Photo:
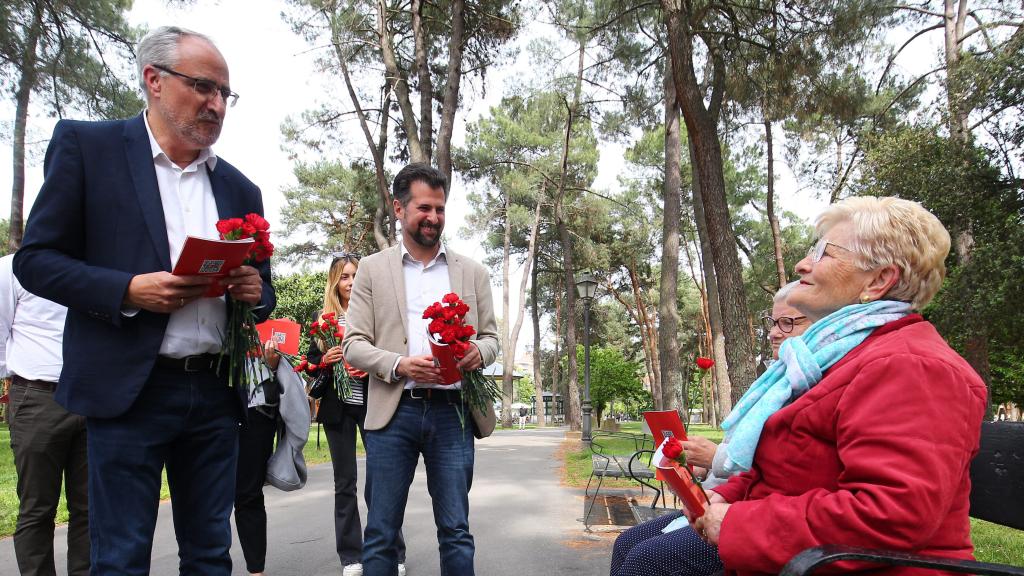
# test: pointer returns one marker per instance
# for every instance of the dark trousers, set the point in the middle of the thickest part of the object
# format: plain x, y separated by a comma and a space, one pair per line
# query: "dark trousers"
348, 530
187, 422
431, 428
255, 445
644, 550
49, 445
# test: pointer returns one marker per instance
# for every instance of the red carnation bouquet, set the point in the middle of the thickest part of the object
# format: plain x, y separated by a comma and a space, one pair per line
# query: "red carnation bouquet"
449, 334
330, 333
241, 339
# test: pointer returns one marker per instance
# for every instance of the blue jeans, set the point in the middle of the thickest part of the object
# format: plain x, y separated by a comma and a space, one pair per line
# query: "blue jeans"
431, 428
188, 422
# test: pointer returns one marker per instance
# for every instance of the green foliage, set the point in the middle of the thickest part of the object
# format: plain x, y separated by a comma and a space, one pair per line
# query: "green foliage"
77, 43
962, 187
333, 205
612, 377
525, 389
5, 232
300, 297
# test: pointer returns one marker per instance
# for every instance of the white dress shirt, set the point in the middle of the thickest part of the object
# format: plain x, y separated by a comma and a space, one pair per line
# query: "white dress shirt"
31, 330
189, 210
424, 285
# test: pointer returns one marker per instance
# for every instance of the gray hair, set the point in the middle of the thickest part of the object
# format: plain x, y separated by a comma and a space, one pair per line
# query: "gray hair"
780, 296
160, 48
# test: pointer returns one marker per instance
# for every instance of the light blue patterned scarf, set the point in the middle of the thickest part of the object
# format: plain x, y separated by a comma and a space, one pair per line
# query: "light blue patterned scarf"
802, 360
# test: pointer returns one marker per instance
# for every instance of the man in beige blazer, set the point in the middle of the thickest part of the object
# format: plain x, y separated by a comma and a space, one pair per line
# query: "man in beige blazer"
409, 412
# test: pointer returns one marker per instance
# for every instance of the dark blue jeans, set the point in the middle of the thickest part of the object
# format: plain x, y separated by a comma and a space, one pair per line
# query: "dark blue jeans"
430, 428
188, 422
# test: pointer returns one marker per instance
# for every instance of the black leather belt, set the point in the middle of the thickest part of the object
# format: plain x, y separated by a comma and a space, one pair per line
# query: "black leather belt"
433, 395
198, 363
37, 384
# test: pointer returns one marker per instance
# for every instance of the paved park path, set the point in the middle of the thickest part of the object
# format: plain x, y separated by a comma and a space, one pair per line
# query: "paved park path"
523, 520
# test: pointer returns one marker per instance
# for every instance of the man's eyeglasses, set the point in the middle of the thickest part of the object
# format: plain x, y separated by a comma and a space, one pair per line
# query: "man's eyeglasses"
785, 323
203, 87
335, 256
817, 250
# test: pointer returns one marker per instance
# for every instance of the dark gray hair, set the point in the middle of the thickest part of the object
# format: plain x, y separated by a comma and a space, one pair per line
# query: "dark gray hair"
160, 48
417, 172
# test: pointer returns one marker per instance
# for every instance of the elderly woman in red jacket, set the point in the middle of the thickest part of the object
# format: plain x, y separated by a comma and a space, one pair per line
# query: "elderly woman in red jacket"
875, 449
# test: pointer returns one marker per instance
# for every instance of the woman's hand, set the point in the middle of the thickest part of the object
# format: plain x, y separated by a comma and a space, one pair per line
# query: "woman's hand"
700, 451
709, 526
333, 355
716, 498
270, 354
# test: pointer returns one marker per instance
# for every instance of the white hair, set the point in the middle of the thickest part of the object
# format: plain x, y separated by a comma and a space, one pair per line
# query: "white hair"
160, 48
780, 296
898, 232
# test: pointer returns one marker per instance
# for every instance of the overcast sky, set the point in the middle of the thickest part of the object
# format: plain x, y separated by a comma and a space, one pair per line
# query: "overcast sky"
272, 69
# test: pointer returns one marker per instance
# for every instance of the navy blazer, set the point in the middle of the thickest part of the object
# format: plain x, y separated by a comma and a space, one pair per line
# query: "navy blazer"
96, 223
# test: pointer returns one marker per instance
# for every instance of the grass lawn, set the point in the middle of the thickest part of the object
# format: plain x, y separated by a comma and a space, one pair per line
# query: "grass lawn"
992, 543
9, 479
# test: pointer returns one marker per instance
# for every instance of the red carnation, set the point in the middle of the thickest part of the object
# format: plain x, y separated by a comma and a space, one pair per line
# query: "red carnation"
672, 449
705, 363
450, 298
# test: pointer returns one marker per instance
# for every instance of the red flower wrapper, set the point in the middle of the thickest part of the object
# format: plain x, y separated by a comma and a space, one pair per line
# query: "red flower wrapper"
241, 339
449, 337
670, 460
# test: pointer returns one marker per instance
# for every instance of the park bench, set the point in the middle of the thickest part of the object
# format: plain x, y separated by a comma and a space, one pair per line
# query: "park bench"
997, 495
606, 464
640, 470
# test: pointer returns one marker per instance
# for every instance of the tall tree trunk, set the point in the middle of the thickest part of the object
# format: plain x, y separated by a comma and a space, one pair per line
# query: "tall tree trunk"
649, 336
647, 344
507, 346
721, 369
451, 91
780, 263
556, 362
538, 372
707, 150
426, 86
512, 340
23, 95
401, 83
377, 149
574, 414
976, 348
668, 308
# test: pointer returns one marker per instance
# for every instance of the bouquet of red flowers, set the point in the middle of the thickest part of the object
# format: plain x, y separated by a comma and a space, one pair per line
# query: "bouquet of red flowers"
330, 333
449, 335
241, 339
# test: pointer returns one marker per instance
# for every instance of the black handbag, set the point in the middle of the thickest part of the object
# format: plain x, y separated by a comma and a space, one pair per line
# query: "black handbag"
320, 386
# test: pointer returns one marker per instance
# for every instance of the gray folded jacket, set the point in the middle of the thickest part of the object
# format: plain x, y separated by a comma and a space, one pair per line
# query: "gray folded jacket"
286, 469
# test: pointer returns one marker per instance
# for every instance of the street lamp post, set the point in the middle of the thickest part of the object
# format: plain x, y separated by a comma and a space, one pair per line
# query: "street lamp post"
586, 287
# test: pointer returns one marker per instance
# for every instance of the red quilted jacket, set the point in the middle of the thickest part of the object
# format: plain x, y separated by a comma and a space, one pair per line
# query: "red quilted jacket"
877, 454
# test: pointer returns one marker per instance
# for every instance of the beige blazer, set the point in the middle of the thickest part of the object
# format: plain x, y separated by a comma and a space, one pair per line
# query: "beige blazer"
377, 331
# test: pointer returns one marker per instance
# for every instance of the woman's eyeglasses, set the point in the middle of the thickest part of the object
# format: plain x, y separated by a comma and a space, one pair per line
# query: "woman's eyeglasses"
817, 250
785, 323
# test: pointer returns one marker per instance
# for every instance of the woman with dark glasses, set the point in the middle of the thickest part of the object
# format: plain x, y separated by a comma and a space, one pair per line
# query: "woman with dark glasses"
341, 418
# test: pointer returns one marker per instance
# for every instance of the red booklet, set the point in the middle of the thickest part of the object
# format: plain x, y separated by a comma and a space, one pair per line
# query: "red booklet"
214, 258
664, 423
680, 480
285, 334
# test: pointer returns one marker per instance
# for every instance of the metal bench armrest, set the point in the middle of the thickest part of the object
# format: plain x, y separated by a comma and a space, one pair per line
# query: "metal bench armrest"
811, 559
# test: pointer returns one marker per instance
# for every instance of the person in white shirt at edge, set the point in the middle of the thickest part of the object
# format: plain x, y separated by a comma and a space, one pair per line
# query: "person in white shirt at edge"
409, 412
48, 442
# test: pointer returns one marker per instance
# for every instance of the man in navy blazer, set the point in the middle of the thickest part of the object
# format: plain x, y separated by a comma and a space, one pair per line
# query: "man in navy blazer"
141, 344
